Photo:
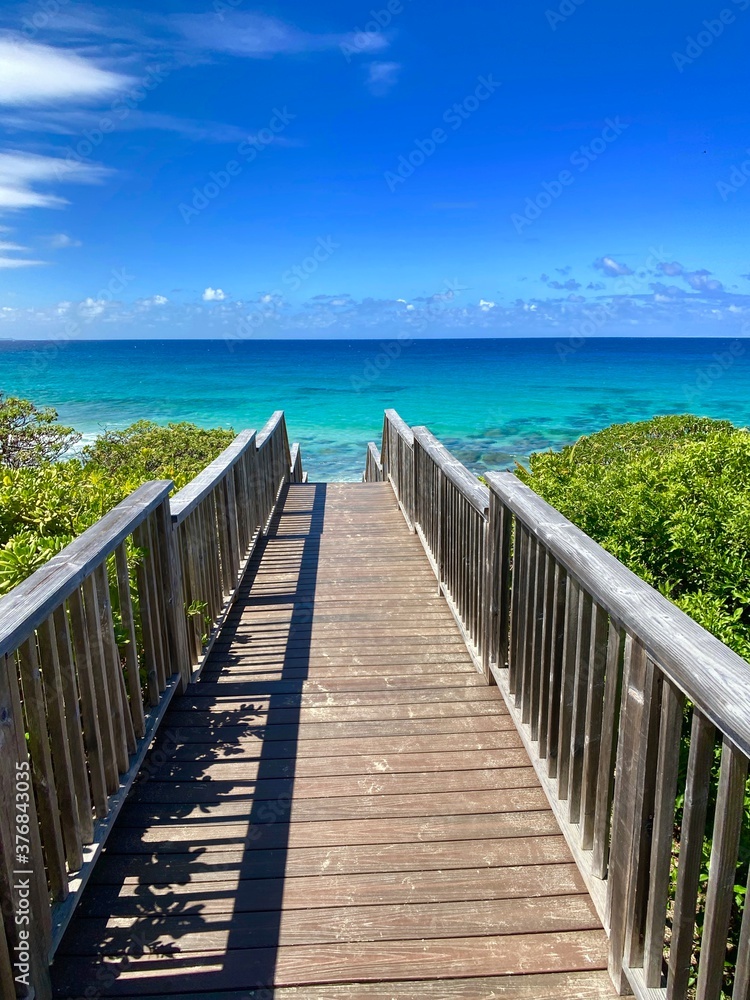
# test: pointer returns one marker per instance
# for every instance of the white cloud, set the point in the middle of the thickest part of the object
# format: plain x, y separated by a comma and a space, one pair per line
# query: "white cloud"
39, 74
6, 263
485, 306
61, 241
159, 300
213, 295
611, 267
4, 245
382, 76
76, 120
20, 172
91, 308
256, 36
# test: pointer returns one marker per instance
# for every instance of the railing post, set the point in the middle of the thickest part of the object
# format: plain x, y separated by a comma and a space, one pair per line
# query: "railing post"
174, 597
22, 894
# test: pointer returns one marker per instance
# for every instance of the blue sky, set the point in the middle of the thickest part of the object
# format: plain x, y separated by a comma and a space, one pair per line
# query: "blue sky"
220, 168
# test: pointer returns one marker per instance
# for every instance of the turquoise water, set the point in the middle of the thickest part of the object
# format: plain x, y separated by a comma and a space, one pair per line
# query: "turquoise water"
490, 401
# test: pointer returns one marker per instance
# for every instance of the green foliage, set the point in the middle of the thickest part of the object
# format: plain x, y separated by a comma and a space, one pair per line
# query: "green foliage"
30, 435
42, 507
146, 450
670, 498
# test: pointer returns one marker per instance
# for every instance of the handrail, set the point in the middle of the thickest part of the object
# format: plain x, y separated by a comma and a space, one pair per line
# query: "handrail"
400, 426
266, 432
477, 495
720, 689
373, 465
29, 604
601, 675
296, 474
188, 498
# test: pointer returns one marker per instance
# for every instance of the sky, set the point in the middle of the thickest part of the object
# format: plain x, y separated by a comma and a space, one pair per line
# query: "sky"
207, 168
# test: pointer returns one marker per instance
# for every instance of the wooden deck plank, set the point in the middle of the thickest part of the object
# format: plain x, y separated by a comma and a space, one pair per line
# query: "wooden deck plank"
338, 800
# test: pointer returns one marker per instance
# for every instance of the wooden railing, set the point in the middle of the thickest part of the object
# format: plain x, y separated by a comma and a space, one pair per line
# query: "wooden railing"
611, 686
93, 647
373, 466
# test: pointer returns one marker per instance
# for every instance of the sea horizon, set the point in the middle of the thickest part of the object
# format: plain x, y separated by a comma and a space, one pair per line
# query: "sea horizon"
493, 401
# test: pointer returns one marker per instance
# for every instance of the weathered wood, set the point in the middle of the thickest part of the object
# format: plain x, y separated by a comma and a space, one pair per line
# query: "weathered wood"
667, 770
692, 835
720, 688
65, 783
89, 712
30, 603
283, 784
730, 814
74, 724
607, 751
41, 767
187, 500
130, 646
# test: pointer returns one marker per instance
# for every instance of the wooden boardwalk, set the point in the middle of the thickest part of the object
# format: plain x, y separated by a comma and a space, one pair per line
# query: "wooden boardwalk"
340, 807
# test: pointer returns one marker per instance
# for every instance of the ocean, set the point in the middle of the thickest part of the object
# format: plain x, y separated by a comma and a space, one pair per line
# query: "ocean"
492, 402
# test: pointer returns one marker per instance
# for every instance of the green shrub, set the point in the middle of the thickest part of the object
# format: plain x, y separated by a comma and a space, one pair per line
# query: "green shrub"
670, 498
44, 506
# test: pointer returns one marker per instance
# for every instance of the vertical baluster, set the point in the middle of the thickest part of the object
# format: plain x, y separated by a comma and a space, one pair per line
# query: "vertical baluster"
537, 640
148, 621
529, 600
234, 552
122, 725
517, 609
548, 650
634, 796
607, 750
594, 713
130, 646
155, 585
58, 741
92, 731
692, 835
567, 686
578, 721
667, 768
74, 724
730, 813
173, 599
556, 668
41, 766
15, 753
99, 676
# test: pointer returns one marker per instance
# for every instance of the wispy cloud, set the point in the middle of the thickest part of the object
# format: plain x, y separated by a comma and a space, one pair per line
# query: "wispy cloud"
258, 36
612, 268
76, 121
21, 173
61, 241
32, 74
382, 77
